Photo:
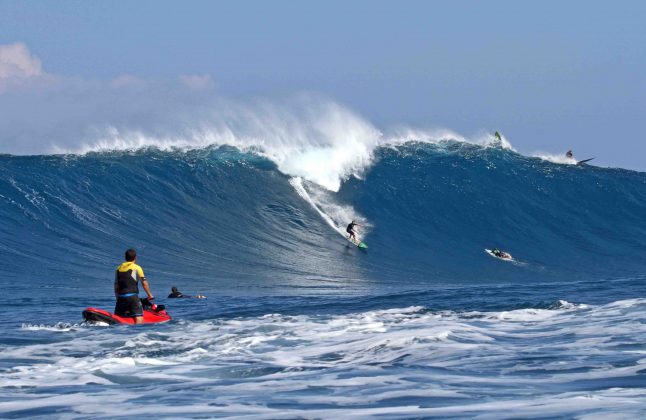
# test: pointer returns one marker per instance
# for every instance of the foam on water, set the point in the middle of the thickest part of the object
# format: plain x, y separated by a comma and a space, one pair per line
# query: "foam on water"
573, 360
403, 135
334, 214
560, 159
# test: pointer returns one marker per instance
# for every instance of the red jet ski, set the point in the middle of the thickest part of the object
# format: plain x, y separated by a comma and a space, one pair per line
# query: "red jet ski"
152, 314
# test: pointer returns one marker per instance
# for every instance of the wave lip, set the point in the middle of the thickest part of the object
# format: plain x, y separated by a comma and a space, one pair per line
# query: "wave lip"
306, 135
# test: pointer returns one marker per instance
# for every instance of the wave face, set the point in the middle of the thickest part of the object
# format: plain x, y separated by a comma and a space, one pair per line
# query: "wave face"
219, 214
298, 320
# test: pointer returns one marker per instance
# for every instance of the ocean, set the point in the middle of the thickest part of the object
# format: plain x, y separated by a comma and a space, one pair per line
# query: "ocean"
300, 323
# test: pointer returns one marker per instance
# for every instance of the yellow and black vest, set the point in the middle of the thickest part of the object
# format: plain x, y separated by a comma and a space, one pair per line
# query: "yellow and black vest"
127, 277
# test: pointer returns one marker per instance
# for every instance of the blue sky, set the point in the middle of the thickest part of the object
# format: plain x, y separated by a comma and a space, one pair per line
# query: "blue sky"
549, 75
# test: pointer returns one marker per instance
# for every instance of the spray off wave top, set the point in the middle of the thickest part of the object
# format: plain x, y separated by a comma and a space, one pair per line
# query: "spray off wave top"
307, 136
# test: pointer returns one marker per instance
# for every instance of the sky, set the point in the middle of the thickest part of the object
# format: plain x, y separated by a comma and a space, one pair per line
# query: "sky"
549, 75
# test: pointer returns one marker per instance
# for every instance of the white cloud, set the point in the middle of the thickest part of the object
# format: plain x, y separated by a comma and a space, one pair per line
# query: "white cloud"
197, 82
126, 80
17, 65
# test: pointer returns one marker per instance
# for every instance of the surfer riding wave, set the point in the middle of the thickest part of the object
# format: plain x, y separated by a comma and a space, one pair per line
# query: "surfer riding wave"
350, 230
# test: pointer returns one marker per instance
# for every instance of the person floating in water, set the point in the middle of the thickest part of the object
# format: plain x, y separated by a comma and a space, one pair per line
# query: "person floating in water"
126, 288
350, 230
569, 155
174, 293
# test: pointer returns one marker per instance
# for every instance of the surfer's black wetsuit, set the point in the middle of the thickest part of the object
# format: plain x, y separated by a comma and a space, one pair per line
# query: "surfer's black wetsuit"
350, 228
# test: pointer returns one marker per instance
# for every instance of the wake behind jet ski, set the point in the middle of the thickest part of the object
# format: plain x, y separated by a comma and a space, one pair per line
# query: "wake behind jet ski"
499, 254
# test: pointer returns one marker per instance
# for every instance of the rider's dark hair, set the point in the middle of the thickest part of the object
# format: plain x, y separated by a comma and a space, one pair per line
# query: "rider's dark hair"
131, 254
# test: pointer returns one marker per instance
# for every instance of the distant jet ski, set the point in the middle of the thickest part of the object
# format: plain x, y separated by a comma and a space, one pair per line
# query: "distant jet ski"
501, 255
152, 314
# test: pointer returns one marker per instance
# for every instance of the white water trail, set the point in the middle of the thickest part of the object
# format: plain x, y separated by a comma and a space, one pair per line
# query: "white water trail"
334, 214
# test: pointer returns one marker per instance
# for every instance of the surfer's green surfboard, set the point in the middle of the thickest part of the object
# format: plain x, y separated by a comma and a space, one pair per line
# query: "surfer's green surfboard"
359, 245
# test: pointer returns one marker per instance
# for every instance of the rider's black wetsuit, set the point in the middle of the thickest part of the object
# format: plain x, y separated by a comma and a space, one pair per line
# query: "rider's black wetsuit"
350, 228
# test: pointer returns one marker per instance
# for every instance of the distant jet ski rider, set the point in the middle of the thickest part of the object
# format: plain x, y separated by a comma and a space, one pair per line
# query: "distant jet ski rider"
500, 254
350, 230
569, 155
126, 288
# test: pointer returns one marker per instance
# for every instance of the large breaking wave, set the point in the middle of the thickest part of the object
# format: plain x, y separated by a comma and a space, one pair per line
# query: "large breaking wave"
217, 213
299, 322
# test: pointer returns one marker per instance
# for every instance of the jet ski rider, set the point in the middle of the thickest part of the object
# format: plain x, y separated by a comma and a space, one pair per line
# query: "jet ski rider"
126, 288
500, 254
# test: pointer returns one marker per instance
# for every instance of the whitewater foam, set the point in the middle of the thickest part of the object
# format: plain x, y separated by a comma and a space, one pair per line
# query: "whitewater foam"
558, 159
405, 361
307, 137
58, 327
324, 143
403, 135
334, 214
